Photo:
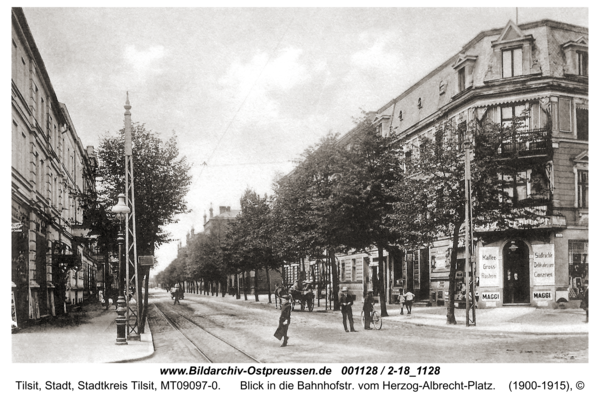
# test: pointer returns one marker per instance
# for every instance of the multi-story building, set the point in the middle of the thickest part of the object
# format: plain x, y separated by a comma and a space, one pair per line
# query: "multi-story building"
541, 67
50, 170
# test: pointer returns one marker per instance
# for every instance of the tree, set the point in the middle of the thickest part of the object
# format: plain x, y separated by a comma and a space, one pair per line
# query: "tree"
362, 195
430, 201
162, 180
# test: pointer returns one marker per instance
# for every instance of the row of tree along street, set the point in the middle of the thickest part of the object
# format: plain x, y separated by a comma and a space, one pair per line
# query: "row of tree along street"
369, 189
162, 180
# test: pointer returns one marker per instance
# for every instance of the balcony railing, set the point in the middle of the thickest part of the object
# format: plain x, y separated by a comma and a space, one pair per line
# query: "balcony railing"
527, 143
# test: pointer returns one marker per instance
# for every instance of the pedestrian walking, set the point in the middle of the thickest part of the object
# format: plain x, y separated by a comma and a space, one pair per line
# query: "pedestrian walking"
284, 320
368, 309
402, 301
346, 305
408, 301
176, 295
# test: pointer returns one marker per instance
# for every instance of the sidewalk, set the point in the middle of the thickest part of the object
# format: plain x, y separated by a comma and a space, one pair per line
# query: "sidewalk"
86, 337
501, 319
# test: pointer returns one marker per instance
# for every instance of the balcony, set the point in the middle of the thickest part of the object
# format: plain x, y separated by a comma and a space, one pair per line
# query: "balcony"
534, 142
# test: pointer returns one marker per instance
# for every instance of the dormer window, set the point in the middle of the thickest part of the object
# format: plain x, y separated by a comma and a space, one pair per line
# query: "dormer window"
512, 63
582, 63
400, 115
464, 67
419, 103
461, 80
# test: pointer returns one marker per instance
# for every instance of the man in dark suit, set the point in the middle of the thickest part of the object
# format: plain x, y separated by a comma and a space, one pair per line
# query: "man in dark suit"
368, 308
284, 320
346, 305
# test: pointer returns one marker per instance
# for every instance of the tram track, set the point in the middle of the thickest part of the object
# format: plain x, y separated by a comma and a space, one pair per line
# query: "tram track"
220, 350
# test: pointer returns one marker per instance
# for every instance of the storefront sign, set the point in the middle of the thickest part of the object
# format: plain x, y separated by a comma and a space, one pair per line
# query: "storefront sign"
543, 264
543, 295
490, 296
489, 271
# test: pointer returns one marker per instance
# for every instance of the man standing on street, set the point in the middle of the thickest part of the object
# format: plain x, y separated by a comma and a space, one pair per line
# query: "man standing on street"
346, 304
408, 301
176, 295
368, 308
284, 320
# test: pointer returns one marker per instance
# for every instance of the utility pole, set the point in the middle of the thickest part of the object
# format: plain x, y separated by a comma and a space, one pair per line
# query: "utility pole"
133, 314
470, 300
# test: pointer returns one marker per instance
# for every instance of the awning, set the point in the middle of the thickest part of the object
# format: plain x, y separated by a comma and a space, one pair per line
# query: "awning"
510, 100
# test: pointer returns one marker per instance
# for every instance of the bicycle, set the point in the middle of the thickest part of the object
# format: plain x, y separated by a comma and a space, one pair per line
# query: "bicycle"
376, 321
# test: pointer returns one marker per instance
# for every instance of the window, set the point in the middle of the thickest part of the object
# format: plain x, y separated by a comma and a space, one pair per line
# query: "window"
582, 189
512, 63
407, 160
530, 184
582, 124
578, 268
24, 155
582, 63
564, 114
343, 272
460, 135
461, 79
419, 103
514, 112
400, 116
353, 269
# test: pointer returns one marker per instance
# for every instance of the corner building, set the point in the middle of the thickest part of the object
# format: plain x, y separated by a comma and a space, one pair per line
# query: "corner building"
541, 67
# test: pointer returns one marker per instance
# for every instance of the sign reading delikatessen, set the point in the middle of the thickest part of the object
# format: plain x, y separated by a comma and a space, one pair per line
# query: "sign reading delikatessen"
543, 264
489, 271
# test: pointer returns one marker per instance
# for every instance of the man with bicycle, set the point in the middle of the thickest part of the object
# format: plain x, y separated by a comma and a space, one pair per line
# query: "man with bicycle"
368, 309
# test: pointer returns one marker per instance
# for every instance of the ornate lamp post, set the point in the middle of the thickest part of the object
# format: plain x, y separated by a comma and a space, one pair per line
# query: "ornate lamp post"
121, 210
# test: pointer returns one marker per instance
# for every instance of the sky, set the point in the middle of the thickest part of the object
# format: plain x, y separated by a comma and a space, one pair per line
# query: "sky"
246, 90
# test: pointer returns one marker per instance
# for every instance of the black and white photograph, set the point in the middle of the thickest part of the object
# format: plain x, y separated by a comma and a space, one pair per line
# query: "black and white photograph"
390, 194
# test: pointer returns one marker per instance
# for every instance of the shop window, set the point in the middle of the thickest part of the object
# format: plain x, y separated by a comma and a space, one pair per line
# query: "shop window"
582, 189
582, 124
353, 269
343, 272
512, 63
578, 268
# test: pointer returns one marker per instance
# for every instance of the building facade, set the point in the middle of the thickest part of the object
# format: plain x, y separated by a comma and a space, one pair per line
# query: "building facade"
541, 68
50, 169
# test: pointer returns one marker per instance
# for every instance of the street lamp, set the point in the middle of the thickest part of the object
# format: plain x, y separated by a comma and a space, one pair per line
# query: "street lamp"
121, 210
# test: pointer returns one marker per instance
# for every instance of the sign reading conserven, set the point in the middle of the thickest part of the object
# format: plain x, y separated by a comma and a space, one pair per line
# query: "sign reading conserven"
489, 272
543, 264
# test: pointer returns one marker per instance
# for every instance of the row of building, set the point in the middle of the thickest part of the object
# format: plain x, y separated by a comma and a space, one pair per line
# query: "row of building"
541, 67
54, 263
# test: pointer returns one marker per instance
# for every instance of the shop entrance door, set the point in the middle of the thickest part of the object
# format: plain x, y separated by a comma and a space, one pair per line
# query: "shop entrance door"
516, 272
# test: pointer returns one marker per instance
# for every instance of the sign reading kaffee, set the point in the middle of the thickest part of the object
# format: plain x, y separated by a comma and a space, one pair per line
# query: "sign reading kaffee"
489, 271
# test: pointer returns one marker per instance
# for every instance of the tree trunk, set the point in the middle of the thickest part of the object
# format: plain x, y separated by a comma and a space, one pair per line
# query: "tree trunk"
336, 281
237, 290
245, 279
382, 283
256, 284
268, 282
450, 318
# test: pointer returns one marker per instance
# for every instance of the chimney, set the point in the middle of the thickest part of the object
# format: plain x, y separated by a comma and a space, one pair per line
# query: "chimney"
222, 209
228, 208
210, 211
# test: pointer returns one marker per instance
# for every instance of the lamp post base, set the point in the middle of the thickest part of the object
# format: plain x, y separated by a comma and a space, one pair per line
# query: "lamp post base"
121, 322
